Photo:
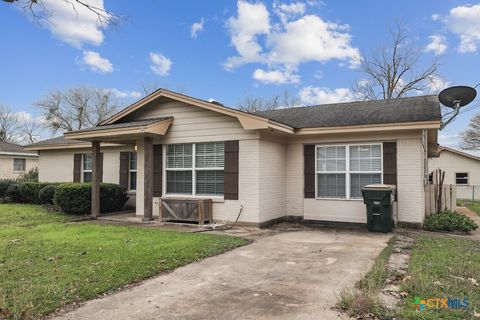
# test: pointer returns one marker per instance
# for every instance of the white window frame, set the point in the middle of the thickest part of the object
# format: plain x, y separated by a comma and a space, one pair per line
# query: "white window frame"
130, 170
347, 171
83, 169
24, 162
462, 184
193, 169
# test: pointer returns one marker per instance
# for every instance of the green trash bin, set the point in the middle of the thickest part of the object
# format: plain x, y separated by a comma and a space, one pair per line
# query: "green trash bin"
379, 200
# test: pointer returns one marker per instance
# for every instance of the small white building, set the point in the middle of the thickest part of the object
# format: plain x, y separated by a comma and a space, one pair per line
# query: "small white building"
461, 169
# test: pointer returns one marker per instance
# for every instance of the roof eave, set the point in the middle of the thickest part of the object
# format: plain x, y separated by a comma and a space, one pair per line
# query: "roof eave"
154, 129
421, 125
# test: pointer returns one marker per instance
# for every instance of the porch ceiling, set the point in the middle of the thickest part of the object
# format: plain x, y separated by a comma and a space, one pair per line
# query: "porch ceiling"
125, 131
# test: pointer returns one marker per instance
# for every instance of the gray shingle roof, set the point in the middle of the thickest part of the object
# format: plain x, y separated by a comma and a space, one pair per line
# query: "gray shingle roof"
55, 141
130, 124
13, 148
411, 109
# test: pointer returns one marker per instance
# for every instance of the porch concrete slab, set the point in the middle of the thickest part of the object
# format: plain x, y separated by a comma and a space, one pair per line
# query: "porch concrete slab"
287, 275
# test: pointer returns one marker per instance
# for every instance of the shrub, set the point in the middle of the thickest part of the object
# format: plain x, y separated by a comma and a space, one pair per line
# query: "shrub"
46, 194
29, 176
26, 192
75, 198
448, 220
4, 184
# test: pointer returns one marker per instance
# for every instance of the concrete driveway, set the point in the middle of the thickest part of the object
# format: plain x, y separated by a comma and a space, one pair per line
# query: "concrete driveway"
289, 275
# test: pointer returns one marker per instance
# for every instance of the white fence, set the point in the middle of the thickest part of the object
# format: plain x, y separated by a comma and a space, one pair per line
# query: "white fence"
448, 200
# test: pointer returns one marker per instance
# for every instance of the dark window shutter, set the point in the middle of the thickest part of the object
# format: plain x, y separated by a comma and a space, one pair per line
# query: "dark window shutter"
390, 163
231, 170
77, 167
101, 166
124, 165
157, 170
309, 170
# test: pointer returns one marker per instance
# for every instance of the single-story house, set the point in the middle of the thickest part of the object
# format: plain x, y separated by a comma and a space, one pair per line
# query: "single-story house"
14, 160
461, 169
305, 162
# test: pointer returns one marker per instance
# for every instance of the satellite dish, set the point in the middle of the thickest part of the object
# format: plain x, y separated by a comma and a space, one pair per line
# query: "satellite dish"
455, 98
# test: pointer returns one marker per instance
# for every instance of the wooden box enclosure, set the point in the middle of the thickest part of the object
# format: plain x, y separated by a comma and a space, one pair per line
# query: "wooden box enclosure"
186, 210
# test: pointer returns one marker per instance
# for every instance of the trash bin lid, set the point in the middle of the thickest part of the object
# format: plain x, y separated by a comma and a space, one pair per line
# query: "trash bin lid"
380, 187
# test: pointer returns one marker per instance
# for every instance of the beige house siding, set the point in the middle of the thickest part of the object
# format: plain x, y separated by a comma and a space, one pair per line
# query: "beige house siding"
6, 166
411, 191
452, 163
272, 180
410, 179
194, 124
57, 165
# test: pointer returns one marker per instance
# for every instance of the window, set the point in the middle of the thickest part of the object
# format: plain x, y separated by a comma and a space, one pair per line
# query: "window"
461, 178
87, 167
132, 171
343, 170
19, 164
195, 169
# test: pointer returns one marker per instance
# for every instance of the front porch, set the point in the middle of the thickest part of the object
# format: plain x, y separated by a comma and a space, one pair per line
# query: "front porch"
140, 134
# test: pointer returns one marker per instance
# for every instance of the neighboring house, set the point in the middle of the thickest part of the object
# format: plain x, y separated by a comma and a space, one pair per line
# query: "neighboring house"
305, 162
461, 169
14, 160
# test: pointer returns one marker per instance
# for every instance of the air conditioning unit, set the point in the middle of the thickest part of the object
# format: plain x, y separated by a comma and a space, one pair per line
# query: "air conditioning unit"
186, 210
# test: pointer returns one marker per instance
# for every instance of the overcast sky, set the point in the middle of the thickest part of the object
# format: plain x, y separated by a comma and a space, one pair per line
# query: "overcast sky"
227, 50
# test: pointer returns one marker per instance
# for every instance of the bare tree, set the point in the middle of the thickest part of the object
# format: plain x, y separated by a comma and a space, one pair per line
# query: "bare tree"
31, 130
10, 127
393, 70
471, 136
77, 108
104, 17
277, 101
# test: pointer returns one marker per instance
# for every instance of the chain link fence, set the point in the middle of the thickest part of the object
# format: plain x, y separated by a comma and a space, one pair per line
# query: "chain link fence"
469, 196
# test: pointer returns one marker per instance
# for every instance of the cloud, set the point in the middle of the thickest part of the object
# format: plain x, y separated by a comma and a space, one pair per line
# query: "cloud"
124, 94
275, 76
317, 95
252, 21
464, 21
437, 44
288, 41
96, 62
437, 84
435, 16
161, 65
288, 11
196, 28
75, 26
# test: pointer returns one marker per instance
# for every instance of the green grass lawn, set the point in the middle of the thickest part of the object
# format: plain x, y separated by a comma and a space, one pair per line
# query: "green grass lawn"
472, 205
443, 266
46, 264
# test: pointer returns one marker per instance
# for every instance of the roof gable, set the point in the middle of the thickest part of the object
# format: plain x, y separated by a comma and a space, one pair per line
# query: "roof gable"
249, 121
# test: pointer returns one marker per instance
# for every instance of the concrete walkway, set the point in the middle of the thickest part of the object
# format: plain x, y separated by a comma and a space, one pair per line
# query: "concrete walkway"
289, 275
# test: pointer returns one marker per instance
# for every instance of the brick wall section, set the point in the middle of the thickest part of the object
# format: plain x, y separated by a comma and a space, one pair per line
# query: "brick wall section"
272, 180
411, 203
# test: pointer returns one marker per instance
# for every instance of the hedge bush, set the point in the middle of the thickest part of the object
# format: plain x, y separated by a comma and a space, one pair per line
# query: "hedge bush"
448, 220
75, 198
4, 184
46, 194
26, 192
